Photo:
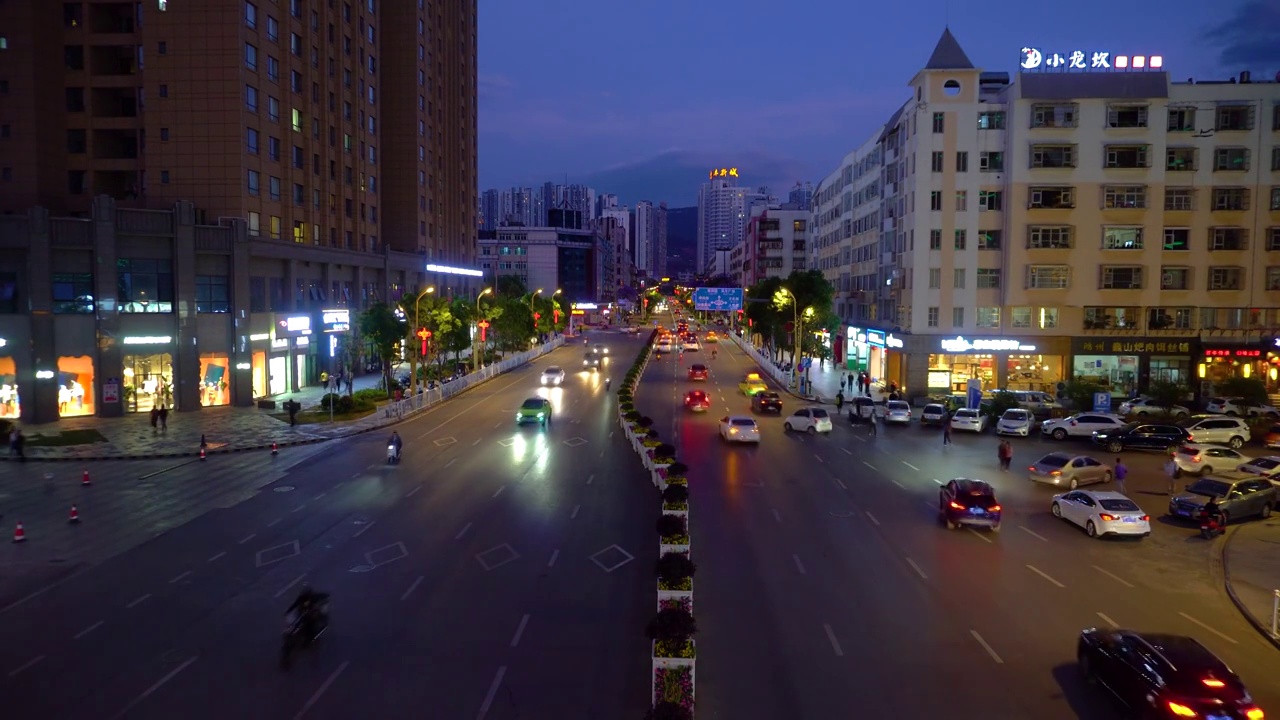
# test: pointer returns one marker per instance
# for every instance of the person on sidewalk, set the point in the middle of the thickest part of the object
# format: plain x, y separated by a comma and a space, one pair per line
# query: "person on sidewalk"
1121, 472
164, 418
839, 401
155, 418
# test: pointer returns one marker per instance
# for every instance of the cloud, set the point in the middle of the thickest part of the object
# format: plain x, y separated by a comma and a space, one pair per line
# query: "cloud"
675, 175
1249, 39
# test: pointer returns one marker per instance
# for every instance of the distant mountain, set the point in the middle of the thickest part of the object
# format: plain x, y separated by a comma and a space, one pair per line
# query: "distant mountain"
682, 240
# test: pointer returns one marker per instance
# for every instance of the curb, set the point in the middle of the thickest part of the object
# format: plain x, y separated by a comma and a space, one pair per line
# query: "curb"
1231, 593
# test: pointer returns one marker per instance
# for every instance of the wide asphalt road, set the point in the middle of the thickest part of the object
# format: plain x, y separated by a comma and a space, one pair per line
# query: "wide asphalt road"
827, 587
497, 572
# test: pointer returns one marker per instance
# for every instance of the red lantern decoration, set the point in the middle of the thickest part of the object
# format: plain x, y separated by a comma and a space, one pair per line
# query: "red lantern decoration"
536, 317
483, 325
555, 315
425, 334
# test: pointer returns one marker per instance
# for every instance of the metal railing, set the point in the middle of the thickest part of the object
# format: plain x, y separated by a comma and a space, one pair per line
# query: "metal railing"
1275, 614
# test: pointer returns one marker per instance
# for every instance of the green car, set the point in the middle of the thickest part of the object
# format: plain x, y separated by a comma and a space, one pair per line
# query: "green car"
534, 410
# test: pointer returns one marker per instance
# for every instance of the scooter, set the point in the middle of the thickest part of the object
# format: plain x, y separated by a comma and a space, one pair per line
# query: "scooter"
607, 383
1211, 525
393, 455
295, 635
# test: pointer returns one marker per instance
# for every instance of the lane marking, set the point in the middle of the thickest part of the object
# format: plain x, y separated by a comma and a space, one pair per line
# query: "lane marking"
151, 690
818, 458
497, 425
215, 557
450, 463
1032, 533
321, 690
1044, 575
873, 467
414, 490
320, 496
1228, 638
611, 432
847, 451
799, 565
937, 481
872, 518
835, 644
913, 467
412, 587
916, 567
138, 601
859, 438
841, 483
1113, 576
26, 666
777, 515
89, 629
975, 533
555, 554
299, 508
462, 532
986, 647
574, 514
515, 639
364, 529
904, 487
477, 442
275, 522
493, 692
289, 587
180, 578
1108, 620
591, 479
247, 538
498, 492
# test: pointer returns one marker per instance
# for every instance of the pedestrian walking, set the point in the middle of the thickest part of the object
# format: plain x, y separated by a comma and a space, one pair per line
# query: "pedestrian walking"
1121, 472
1171, 470
1005, 452
155, 418
164, 418
946, 431
839, 401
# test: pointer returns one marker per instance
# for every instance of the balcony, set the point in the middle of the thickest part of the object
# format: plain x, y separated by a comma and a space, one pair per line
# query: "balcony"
1114, 320
112, 18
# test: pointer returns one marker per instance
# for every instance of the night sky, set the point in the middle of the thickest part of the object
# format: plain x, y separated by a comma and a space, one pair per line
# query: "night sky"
641, 103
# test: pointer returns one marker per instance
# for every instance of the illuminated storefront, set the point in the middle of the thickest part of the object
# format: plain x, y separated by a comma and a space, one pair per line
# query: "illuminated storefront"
10, 399
1125, 367
1001, 363
75, 386
147, 380
875, 352
1260, 361
289, 364
259, 342
215, 379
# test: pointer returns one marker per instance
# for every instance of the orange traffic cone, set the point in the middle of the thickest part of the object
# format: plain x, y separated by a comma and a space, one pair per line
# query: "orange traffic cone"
75, 516
275, 449
84, 480
201, 453
19, 535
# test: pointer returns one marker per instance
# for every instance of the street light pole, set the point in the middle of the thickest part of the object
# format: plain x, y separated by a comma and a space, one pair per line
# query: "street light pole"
533, 312
475, 353
555, 311
417, 309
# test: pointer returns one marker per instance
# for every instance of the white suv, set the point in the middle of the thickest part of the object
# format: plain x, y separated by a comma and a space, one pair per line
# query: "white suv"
1240, 406
1218, 429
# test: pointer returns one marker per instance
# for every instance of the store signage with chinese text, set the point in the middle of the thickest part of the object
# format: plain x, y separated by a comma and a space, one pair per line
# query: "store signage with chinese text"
293, 326
961, 345
1232, 352
1124, 346
724, 172
336, 320
1032, 58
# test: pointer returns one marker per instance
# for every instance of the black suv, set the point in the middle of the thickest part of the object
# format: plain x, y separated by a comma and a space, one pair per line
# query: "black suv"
770, 401
1142, 436
964, 501
1163, 676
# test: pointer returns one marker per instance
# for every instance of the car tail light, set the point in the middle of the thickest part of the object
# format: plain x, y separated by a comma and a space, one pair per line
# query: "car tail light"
1180, 710
1190, 436
1254, 714
955, 505
1056, 472
1195, 458
1213, 683
1146, 518
1107, 517
994, 508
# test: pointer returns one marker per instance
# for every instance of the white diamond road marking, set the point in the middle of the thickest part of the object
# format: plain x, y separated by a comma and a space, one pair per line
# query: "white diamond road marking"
445, 441
496, 557
507, 443
575, 442
615, 552
285, 488
386, 554
276, 553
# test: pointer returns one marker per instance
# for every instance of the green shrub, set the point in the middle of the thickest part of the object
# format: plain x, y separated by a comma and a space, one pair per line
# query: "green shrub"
372, 395
671, 526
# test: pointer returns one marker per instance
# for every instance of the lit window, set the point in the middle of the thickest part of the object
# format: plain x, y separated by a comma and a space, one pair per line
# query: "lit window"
297, 120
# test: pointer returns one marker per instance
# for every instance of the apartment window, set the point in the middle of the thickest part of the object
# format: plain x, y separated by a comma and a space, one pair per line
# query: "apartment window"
988, 278
1228, 238
937, 160
989, 239
273, 69
1103, 318
1117, 197
144, 285
213, 294
1122, 238
75, 100
1020, 317
164, 90
253, 182
1275, 118
1048, 318
73, 293
988, 317
962, 200
1121, 277
935, 239
1226, 278
957, 279
1126, 116
1180, 160
957, 317
939, 122
273, 187
76, 181
1182, 119
935, 200
162, 48
299, 195
991, 120
1235, 117
1048, 277
1273, 239
1179, 198
1230, 199
251, 141
1053, 156
296, 120
1053, 116
295, 84
255, 224
935, 278
932, 317
1275, 198
1230, 159
1127, 156
1049, 237
164, 133
295, 9
251, 98
295, 44
273, 109
1049, 197
250, 57
299, 157
991, 161
273, 29
1275, 153
273, 148
990, 200
962, 162
961, 239
77, 142
1169, 318
1176, 238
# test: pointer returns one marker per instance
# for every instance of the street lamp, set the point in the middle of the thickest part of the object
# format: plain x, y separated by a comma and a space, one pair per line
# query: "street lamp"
532, 311
417, 329
780, 298
555, 311
475, 358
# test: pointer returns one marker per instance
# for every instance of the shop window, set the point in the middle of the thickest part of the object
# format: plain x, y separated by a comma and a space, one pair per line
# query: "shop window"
73, 293
215, 376
10, 402
1039, 373
1117, 374
75, 386
144, 285
212, 294
148, 382
8, 293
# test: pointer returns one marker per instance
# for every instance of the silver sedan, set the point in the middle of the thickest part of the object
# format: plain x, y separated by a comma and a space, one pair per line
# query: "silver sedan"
1070, 471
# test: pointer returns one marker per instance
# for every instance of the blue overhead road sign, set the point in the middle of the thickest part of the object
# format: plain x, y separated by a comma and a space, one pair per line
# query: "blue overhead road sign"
718, 298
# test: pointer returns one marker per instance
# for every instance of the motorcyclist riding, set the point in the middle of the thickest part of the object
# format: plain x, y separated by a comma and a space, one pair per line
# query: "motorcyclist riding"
308, 607
396, 443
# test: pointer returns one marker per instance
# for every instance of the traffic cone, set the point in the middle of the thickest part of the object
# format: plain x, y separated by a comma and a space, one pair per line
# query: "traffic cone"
201, 453
19, 535
275, 449
74, 517
84, 480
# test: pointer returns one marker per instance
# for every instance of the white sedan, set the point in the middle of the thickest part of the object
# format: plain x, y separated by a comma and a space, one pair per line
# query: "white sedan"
1081, 425
1147, 406
691, 346
1016, 421
968, 419
553, 375
810, 420
1266, 466
1101, 513
739, 428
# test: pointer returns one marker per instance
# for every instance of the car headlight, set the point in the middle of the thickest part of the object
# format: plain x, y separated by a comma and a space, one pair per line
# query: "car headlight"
541, 415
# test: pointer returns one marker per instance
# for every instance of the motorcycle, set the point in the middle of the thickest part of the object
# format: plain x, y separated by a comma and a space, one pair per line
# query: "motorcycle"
393, 454
301, 630
607, 383
1211, 525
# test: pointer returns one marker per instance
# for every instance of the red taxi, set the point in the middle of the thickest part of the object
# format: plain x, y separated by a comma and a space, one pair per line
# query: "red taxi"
697, 372
697, 401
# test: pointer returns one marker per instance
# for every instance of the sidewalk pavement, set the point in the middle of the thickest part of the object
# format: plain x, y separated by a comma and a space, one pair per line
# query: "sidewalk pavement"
1251, 571
825, 380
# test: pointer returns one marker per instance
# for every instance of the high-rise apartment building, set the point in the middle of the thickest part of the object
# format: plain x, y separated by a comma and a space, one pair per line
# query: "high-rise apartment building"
722, 218
660, 244
1105, 224
490, 209
774, 245
800, 197
644, 231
